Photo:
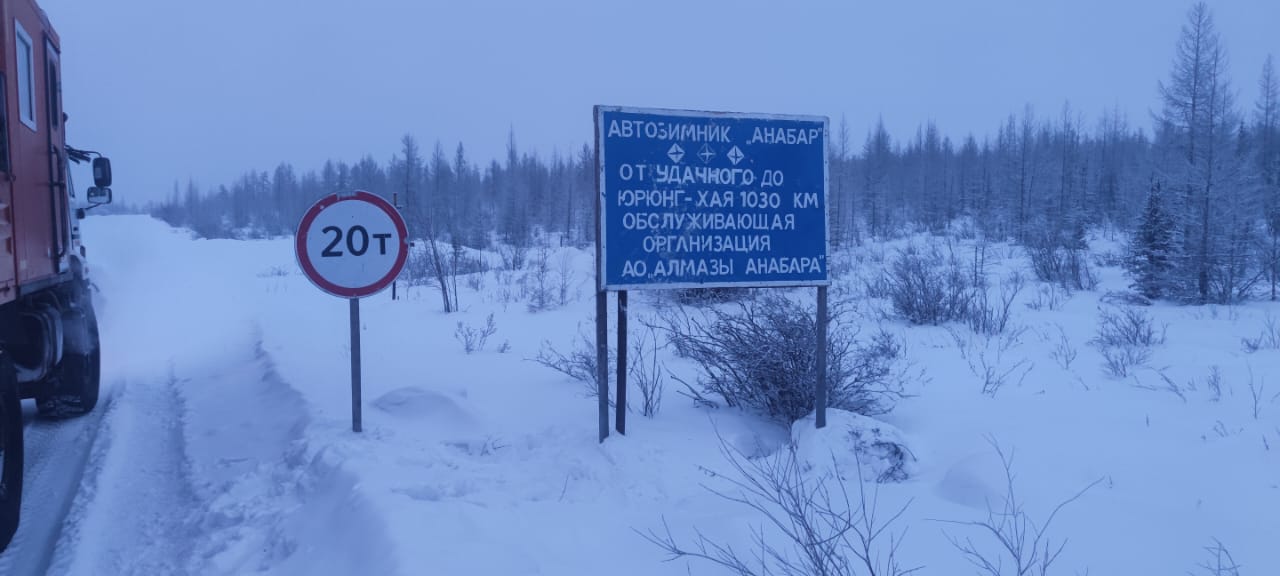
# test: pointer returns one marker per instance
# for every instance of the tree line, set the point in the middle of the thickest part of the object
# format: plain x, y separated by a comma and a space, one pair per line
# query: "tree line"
1200, 191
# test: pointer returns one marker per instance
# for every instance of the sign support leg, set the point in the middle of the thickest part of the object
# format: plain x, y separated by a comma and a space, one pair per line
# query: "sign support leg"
620, 411
355, 364
821, 393
602, 359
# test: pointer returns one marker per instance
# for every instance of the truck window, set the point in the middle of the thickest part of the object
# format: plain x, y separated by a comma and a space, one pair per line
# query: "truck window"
25, 54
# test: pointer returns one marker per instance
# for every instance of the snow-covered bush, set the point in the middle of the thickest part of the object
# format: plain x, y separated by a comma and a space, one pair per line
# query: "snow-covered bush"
1125, 337
927, 289
762, 354
1061, 261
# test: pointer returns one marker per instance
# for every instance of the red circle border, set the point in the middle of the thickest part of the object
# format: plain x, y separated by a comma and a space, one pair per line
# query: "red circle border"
309, 269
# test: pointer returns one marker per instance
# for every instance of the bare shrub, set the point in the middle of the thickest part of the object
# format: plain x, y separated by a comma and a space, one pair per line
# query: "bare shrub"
878, 287
1220, 562
761, 354
1063, 352
926, 289
646, 371
990, 318
1061, 262
707, 296
1022, 545
1128, 327
1125, 337
1120, 361
1172, 386
1214, 382
1050, 297
824, 531
579, 363
473, 338
1268, 339
1257, 392
446, 278
994, 372
508, 289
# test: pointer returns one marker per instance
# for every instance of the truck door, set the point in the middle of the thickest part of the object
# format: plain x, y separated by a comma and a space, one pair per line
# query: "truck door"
58, 194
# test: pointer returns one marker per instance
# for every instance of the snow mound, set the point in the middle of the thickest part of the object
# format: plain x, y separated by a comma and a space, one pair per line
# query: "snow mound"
437, 411
975, 481
851, 441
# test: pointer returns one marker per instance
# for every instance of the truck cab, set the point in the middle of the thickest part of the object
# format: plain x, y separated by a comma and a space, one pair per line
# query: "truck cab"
48, 331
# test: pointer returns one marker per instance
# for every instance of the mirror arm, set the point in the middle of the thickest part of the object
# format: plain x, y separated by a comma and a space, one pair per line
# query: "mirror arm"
76, 155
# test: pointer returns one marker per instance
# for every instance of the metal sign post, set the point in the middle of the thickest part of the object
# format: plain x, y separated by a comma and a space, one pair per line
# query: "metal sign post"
690, 199
352, 245
355, 365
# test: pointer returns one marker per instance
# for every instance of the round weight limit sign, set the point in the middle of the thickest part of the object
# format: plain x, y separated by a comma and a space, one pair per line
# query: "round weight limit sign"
352, 245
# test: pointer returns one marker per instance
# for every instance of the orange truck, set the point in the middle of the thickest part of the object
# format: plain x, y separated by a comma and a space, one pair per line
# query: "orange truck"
49, 348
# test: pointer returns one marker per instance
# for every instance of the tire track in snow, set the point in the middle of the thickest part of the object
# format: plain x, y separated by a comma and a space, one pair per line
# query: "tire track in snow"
133, 514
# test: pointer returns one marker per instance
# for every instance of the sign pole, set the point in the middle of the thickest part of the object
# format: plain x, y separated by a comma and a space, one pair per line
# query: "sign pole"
602, 307
355, 364
602, 360
821, 393
620, 411
352, 245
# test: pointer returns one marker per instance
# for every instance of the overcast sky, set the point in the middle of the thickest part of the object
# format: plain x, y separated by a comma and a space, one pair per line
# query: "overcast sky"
174, 89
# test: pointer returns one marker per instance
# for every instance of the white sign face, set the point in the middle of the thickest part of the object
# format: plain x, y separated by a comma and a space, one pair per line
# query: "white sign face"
352, 245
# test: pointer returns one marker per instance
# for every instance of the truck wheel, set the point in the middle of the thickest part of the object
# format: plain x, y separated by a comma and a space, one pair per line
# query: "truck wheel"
74, 387
10, 451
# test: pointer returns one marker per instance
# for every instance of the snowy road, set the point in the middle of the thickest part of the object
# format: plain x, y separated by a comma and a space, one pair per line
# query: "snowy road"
131, 515
56, 456
118, 475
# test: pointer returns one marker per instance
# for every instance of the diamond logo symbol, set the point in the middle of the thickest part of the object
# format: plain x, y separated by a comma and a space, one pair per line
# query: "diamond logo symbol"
675, 153
706, 154
735, 155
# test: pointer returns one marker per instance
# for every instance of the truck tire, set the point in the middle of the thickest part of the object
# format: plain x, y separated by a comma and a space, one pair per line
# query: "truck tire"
75, 385
11, 451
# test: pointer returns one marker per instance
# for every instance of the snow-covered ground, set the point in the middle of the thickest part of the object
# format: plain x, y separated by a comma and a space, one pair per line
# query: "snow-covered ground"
226, 444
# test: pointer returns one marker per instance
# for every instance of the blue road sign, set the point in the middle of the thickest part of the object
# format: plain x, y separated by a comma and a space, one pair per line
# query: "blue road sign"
705, 199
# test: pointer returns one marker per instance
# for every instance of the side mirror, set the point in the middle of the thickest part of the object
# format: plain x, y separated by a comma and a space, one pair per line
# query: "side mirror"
98, 196
102, 173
